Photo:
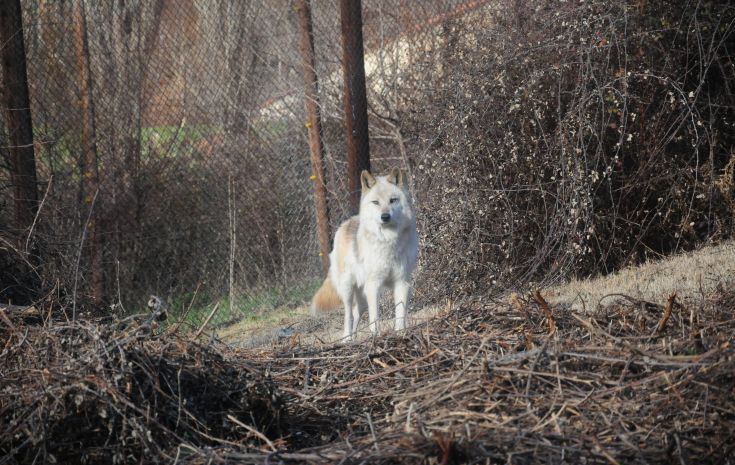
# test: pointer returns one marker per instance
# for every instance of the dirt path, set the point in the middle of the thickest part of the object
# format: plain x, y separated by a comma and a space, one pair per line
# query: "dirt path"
296, 326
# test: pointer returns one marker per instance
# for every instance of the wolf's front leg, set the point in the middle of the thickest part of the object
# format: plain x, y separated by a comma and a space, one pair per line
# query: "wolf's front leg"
371, 295
401, 290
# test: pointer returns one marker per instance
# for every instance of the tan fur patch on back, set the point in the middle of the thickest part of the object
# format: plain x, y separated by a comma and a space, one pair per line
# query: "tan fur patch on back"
345, 238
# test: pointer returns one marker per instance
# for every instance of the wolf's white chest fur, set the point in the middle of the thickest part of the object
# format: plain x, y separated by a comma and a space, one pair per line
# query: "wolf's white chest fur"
385, 255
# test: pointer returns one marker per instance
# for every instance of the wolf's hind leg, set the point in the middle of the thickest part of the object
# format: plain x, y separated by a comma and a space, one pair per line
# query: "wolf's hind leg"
347, 300
358, 309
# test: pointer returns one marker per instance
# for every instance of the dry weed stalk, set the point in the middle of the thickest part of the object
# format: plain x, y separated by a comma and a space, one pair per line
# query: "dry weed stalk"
547, 310
667, 313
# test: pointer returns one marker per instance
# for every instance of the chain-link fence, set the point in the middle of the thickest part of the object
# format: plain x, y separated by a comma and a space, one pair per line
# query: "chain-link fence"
171, 145
544, 139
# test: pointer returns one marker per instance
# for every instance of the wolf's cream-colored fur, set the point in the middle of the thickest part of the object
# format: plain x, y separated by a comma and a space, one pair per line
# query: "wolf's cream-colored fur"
374, 250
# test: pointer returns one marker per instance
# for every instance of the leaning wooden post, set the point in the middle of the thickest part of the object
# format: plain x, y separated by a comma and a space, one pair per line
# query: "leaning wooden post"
314, 125
90, 182
17, 111
355, 97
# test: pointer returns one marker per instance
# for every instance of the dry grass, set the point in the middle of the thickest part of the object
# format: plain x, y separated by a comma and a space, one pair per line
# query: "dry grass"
691, 274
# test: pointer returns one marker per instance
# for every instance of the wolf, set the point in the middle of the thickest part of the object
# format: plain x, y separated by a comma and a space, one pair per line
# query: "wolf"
373, 250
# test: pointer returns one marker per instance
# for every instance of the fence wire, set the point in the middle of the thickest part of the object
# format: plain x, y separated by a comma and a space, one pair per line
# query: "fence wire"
175, 132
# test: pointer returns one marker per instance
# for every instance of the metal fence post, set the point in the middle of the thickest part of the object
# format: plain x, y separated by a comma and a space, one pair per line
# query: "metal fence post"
314, 125
355, 97
17, 109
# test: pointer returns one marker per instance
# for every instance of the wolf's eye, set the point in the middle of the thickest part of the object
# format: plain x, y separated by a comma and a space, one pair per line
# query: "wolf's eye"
393, 200
375, 202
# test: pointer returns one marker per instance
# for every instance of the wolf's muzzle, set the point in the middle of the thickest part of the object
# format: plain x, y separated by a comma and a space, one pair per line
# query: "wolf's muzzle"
385, 217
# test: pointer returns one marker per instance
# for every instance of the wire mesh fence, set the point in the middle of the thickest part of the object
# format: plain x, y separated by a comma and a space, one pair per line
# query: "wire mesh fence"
543, 139
171, 144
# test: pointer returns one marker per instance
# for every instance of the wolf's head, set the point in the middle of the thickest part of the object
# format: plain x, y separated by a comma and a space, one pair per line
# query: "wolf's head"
386, 203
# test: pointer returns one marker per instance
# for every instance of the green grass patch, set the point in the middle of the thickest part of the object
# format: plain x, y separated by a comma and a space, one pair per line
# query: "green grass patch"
257, 306
63, 148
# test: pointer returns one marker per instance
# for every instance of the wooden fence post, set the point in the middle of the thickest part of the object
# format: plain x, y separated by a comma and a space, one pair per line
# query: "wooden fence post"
90, 182
314, 125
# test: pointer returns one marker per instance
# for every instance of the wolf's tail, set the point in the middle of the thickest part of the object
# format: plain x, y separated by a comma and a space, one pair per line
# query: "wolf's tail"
325, 299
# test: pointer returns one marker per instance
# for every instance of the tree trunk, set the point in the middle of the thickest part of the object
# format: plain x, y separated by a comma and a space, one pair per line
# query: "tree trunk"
355, 97
16, 103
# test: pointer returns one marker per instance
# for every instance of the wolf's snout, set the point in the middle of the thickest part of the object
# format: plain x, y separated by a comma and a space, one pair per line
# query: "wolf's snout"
385, 217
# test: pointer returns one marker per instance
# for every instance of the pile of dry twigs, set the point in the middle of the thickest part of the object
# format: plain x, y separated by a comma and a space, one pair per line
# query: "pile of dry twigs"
101, 392
516, 382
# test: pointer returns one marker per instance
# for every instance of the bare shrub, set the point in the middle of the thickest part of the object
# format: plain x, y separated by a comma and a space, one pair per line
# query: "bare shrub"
570, 139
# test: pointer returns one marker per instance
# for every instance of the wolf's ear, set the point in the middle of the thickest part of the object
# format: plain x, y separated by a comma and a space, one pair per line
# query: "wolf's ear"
367, 180
396, 177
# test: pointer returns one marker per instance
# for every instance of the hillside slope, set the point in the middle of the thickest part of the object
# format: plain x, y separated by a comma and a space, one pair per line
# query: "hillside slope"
691, 275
